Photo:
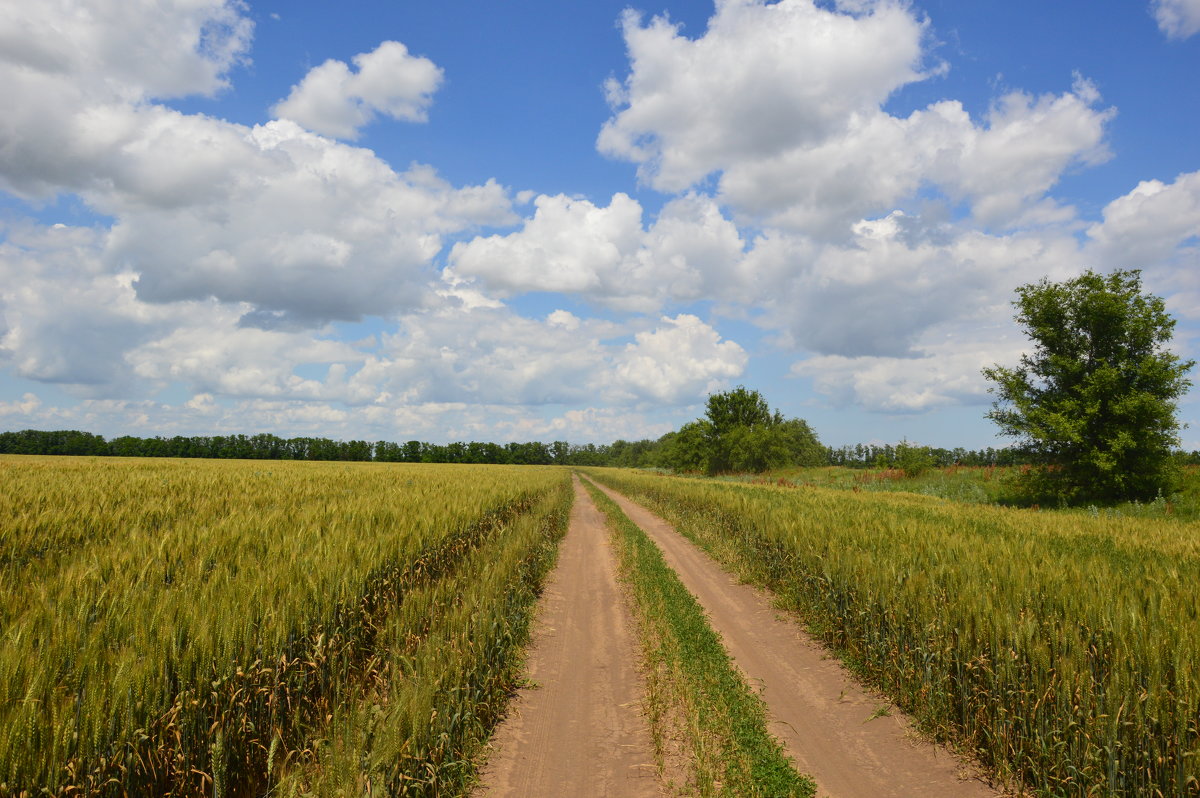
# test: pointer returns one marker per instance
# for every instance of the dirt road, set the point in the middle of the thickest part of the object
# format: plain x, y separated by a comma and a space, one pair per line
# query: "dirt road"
578, 730
833, 730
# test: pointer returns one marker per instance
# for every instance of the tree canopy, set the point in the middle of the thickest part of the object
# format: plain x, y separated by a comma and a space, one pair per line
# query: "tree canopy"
740, 433
1094, 402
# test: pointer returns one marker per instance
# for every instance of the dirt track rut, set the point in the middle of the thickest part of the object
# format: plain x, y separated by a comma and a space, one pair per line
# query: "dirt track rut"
578, 730
831, 727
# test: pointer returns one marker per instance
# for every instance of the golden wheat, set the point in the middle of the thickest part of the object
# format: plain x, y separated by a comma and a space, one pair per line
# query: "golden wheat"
183, 627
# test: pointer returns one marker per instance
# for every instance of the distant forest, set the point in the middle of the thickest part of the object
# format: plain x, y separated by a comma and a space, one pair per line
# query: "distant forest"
630, 454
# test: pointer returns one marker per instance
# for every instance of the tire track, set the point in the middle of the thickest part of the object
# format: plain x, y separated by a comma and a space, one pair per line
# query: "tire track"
834, 730
578, 730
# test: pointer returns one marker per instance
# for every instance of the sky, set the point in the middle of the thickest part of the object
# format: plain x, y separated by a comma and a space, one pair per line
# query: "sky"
471, 220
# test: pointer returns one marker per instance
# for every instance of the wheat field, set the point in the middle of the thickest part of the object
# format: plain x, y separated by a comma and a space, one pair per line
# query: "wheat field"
1062, 649
188, 627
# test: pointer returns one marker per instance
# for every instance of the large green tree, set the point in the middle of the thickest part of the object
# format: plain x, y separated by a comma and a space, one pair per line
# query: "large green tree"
1094, 402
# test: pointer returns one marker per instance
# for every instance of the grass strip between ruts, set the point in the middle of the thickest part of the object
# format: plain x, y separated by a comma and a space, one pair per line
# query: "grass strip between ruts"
696, 699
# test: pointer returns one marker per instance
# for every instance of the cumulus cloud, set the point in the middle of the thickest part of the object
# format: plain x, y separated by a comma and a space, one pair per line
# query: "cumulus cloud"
289, 221
129, 51
336, 102
877, 294
67, 68
69, 320
606, 253
24, 407
233, 246
1156, 228
762, 79
903, 318
941, 374
1025, 147
884, 247
822, 153
66, 319
1178, 19
211, 353
1150, 223
594, 424
435, 422
679, 361
494, 356
303, 228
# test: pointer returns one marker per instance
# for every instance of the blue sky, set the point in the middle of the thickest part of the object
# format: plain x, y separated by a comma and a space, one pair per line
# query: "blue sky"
540, 220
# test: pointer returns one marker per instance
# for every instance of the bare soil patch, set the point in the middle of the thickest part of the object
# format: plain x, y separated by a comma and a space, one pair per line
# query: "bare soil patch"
577, 729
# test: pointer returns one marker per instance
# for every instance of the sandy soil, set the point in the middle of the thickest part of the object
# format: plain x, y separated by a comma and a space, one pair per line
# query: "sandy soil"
829, 724
578, 729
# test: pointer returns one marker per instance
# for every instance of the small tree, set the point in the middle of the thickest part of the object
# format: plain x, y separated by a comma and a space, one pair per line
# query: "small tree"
1094, 403
913, 460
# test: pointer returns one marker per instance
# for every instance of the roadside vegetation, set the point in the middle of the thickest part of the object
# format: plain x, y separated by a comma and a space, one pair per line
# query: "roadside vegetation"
696, 699
205, 628
994, 485
1062, 649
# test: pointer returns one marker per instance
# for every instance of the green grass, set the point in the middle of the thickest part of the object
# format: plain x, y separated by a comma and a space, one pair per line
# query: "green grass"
695, 695
972, 485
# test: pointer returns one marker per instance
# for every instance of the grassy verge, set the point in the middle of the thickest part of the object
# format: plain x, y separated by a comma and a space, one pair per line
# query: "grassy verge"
987, 485
697, 700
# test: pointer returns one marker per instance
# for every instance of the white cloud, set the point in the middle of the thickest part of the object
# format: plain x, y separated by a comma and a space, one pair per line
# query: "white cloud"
210, 353
821, 153
1149, 224
336, 102
763, 79
588, 424
432, 421
69, 320
26, 406
1178, 19
1155, 228
679, 362
1027, 144
66, 67
303, 228
65, 318
129, 51
233, 246
493, 356
945, 370
604, 253
902, 319
898, 276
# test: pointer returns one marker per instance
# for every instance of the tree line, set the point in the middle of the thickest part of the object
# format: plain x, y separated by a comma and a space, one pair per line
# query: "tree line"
272, 447
871, 455
676, 450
